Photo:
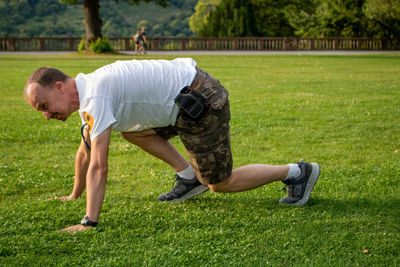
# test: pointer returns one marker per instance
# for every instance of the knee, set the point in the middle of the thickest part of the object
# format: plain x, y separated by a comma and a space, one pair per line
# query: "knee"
214, 187
131, 138
137, 137
222, 187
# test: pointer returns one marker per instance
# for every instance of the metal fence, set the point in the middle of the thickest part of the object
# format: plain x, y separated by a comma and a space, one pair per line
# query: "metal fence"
196, 43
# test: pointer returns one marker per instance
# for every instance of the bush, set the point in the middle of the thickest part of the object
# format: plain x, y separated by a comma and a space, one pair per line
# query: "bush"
81, 46
99, 46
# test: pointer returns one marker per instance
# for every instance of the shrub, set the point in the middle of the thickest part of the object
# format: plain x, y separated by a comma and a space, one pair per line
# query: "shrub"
81, 46
99, 46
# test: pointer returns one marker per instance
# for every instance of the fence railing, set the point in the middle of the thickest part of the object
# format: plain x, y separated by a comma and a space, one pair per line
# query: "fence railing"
197, 43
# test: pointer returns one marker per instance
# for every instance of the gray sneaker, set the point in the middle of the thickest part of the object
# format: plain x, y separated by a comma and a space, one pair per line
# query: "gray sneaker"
300, 187
183, 190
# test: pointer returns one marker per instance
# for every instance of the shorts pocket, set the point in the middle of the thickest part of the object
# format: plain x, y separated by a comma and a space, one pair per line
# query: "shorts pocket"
215, 165
214, 92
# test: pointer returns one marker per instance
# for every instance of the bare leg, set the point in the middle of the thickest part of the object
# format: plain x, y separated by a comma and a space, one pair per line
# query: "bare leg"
157, 146
242, 179
250, 177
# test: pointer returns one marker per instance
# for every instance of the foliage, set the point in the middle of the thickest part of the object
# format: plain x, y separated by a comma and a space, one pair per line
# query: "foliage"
305, 18
200, 16
270, 18
341, 111
25, 18
301, 15
243, 18
386, 14
101, 45
231, 18
119, 19
172, 21
343, 18
82, 46
93, 19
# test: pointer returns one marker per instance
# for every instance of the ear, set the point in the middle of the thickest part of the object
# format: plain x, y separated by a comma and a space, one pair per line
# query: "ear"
59, 86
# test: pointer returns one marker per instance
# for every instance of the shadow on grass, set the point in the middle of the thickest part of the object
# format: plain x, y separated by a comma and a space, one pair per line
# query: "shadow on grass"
343, 207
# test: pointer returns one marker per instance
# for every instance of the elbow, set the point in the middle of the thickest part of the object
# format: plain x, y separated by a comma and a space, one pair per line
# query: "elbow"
83, 154
99, 170
102, 170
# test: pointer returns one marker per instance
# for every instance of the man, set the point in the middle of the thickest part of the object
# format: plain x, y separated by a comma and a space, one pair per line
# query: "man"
138, 99
143, 40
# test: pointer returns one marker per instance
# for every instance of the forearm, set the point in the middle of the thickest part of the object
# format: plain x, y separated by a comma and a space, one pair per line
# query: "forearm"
97, 175
81, 167
95, 187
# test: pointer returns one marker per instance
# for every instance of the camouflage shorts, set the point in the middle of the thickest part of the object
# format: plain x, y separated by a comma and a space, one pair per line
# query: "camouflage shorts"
207, 141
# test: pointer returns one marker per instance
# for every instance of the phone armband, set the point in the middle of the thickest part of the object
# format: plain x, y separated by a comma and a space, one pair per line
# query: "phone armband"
192, 103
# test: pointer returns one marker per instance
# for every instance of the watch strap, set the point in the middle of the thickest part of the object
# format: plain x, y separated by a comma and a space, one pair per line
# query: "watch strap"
85, 221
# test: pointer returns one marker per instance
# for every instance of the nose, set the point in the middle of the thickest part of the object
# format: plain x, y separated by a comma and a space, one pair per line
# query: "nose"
47, 115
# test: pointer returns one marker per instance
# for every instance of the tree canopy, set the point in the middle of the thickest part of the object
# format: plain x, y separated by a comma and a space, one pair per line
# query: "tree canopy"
385, 14
232, 18
216, 18
305, 18
51, 18
93, 21
202, 11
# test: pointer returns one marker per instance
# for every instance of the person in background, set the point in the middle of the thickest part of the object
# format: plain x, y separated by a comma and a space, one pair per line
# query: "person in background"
143, 39
136, 40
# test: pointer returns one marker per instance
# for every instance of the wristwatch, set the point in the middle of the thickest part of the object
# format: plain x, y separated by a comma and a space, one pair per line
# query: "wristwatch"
85, 221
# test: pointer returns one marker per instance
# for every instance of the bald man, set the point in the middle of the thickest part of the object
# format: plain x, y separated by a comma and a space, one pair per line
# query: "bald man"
150, 101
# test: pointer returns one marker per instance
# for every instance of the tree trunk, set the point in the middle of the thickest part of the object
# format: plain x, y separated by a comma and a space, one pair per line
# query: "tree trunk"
92, 20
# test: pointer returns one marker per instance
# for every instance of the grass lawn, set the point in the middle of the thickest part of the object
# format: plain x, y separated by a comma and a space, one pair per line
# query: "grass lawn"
340, 111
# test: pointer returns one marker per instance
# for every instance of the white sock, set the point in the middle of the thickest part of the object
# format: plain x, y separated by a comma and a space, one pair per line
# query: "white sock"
294, 171
187, 173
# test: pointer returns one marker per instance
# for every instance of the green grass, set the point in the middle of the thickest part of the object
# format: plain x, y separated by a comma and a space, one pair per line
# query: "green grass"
341, 111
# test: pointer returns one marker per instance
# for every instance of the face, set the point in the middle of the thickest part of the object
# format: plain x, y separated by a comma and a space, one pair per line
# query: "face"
54, 103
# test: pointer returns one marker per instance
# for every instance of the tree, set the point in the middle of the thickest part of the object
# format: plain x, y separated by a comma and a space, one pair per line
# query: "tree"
231, 18
329, 18
385, 13
200, 16
342, 18
243, 18
271, 19
92, 15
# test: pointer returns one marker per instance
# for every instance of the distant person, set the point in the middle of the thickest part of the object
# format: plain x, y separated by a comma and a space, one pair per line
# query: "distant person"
143, 39
137, 98
136, 40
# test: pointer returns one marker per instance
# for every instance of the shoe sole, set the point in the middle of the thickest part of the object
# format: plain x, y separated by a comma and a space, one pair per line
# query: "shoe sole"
194, 192
310, 184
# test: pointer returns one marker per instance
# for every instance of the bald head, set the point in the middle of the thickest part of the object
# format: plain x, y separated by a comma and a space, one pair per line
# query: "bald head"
52, 92
45, 77
33, 92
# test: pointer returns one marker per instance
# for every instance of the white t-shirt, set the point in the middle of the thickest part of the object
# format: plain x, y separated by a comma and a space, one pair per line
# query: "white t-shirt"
133, 95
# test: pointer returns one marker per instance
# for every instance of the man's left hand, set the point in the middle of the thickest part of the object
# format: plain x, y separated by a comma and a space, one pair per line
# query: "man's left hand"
67, 198
76, 228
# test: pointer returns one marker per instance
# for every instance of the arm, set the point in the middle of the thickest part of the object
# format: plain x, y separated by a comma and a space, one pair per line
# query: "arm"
95, 179
97, 174
81, 166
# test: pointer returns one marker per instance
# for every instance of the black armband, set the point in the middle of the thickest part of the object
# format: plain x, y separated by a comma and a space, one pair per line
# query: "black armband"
192, 103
